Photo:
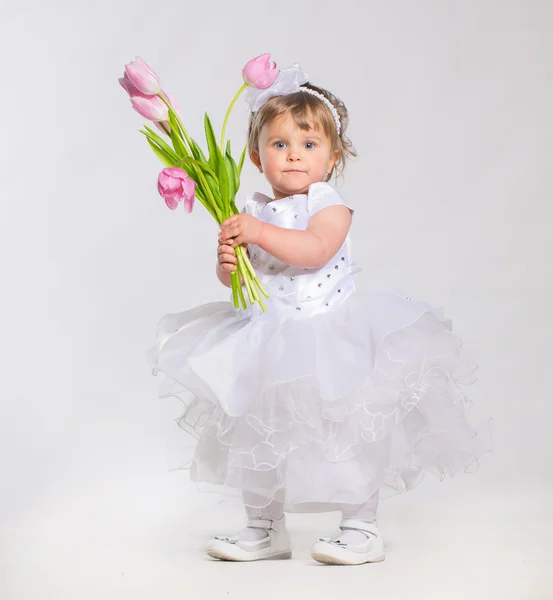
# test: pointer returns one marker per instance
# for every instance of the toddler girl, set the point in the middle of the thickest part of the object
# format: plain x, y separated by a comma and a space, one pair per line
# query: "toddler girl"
333, 395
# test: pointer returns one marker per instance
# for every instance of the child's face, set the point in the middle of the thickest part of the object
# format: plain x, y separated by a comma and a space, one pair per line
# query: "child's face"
291, 158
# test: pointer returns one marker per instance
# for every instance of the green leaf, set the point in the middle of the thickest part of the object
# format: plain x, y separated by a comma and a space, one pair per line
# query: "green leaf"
215, 156
197, 163
224, 185
160, 143
205, 180
235, 173
197, 152
227, 150
234, 177
163, 156
229, 162
155, 137
178, 144
241, 161
206, 204
214, 187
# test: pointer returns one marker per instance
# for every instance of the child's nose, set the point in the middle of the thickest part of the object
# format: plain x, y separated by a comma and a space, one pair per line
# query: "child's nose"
293, 155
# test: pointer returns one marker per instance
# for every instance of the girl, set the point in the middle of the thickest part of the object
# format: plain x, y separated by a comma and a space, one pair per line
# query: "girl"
334, 394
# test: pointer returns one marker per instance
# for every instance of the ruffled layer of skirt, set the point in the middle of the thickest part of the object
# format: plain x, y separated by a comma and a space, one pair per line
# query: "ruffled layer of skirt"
320, 411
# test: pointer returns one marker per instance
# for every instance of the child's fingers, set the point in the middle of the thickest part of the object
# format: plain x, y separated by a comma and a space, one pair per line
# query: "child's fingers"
228, 258
238, 241
226, 249
229, 268
231, 230
225, 235
225, 242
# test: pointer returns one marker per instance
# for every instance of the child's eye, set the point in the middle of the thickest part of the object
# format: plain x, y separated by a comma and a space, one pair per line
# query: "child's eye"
309, 145
280, 145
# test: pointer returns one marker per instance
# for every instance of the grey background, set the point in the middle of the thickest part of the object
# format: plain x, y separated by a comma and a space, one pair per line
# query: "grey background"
450, 105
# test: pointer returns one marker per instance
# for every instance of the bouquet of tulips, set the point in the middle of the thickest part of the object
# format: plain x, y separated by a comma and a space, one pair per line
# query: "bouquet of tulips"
188, 174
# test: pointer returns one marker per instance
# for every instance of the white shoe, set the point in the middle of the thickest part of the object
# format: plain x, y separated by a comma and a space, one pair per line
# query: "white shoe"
276, 545
334, 552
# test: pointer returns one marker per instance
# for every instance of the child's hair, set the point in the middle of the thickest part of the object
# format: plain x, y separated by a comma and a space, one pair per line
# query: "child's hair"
301, 107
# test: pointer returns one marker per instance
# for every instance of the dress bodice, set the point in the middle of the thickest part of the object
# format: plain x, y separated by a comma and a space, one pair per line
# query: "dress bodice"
298, 290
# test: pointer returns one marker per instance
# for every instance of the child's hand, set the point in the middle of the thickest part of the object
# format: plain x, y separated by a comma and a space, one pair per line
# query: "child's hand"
226, 255
244, 228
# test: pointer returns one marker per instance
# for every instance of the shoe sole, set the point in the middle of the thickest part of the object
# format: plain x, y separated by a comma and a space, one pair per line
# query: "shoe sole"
328, 559
221, 555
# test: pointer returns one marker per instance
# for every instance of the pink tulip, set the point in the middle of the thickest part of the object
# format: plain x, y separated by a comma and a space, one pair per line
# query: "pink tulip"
127, 85
144, 79
174, 186
150, 107
260, 72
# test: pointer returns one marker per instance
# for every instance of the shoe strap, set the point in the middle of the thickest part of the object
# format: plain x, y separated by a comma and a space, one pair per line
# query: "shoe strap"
260, 523
359, 526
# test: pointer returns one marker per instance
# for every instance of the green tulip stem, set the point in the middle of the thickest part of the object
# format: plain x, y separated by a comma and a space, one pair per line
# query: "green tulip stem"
241, 293
261, 288
180, 123
247, 282
205, 203
228, 115
249, 266
262, 305
258, 297
209, 194
251, 275
235, 284
206, 196
250, 286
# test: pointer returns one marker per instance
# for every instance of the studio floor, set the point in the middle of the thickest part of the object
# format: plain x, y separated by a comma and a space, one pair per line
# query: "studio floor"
470, 536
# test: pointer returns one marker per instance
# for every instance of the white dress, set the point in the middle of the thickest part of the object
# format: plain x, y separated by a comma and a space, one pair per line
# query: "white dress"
331, 395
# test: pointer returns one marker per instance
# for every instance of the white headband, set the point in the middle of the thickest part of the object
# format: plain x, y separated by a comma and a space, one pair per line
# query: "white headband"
289, 81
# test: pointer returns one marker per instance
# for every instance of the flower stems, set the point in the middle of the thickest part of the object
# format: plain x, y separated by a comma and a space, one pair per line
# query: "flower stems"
220, 206
228, 115
250, 276
180, 123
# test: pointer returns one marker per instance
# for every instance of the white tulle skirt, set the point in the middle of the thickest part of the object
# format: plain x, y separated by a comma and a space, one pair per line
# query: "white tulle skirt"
320, 411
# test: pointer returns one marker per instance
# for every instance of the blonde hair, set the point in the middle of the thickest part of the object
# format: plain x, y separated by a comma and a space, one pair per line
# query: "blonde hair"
303, 108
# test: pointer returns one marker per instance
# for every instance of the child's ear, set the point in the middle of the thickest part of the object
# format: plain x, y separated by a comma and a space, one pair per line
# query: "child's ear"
333, 160
256, 160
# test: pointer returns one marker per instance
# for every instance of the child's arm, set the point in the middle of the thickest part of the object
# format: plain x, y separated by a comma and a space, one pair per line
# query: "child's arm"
311, 248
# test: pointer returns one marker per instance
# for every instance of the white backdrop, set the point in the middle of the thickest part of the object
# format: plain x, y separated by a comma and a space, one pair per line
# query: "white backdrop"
450, 105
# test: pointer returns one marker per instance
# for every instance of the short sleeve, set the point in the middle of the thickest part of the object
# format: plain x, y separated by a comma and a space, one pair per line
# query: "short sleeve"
248, 206
321, 195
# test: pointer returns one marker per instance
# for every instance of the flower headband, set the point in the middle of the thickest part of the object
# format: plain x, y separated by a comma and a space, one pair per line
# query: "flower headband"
289, 81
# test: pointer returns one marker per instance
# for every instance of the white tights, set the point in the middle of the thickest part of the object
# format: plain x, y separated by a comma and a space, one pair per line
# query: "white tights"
362, 512
274, 510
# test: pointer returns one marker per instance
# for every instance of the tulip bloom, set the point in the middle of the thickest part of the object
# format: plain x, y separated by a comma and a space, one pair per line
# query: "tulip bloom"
174, 186
150, 107
260, 72
144, 79
127, 85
